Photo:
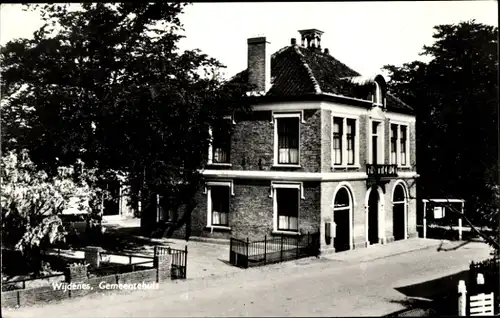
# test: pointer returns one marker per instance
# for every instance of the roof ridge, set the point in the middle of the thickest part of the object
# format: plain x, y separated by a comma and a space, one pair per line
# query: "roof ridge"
315, 83
398, 99
283, 49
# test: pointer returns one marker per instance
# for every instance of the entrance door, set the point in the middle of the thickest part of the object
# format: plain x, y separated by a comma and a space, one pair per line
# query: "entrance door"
398, 219
398, 213
373, 201
341, 241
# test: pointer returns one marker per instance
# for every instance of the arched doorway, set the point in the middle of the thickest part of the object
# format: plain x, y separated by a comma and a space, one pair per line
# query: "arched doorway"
373, 207
399, 204
342, 211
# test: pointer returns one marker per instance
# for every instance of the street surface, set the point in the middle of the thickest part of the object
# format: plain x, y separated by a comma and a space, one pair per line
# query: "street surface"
325, 287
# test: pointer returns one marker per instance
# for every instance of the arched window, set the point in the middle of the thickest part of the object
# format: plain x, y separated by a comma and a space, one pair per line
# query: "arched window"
379, 100
342, 200
399, 195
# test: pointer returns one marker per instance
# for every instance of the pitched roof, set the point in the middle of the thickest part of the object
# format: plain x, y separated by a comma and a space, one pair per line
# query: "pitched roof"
297, 70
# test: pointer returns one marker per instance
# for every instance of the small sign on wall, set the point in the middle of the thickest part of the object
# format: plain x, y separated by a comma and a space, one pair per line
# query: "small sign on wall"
438, 212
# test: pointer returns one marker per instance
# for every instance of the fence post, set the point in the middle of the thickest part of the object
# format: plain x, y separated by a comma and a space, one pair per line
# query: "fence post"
462, 298
297, 251
185, 261
130, 259
281, 249
248, 243
155, 250
265, 249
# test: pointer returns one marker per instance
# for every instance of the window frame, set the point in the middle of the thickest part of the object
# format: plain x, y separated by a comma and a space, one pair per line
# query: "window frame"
275, 186
344, 155
399, 124
275, 117
211, 147
208, 192
380, 138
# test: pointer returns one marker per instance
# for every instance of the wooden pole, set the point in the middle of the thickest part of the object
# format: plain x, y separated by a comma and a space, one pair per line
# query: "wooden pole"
425, 220
460, 223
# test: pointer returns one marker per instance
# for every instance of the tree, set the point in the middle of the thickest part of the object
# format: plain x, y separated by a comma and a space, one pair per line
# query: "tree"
32, 202
455, 100
105, 83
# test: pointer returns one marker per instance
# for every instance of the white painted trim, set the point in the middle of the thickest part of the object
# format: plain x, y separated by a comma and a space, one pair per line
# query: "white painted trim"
287, 185
345, 97
352, 204
344, 184
275, 117
408, 174
285, 175
287, 106
344, 110
221, 183
405, 118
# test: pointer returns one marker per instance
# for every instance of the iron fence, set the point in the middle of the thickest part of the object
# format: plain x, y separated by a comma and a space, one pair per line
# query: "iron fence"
179, 260
243, 253
21, 283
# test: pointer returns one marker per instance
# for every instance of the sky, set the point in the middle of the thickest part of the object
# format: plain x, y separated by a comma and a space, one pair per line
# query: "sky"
363, 35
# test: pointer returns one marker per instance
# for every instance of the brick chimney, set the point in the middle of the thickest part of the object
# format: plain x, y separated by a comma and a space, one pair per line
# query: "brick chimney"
259, 64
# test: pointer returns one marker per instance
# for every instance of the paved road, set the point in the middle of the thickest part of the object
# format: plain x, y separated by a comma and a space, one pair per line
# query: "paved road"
309, 288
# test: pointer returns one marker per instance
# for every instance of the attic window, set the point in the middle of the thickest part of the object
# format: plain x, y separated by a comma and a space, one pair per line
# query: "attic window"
378, 97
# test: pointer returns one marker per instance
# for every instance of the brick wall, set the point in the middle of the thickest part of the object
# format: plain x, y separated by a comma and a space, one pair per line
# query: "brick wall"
252, 142
251, 211
78, 274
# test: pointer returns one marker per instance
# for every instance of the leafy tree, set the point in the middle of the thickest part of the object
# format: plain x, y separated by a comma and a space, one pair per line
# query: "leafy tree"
106, 83
455, 100
32, 202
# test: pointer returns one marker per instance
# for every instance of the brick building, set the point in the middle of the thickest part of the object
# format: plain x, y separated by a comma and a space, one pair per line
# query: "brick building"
325, 149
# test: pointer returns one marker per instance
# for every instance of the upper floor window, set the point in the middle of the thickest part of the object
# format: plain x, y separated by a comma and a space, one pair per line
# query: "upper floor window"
337, 140
376, 147
345, 145
399, 144
394, 143
351, 135
220, 147
378, 97
403, 142
286, 134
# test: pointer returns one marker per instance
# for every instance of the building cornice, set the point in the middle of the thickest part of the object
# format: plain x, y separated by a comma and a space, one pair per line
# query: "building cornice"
294, 176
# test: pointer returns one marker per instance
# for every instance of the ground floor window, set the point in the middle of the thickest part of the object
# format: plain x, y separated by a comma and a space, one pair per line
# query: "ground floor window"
286, 206
218, 203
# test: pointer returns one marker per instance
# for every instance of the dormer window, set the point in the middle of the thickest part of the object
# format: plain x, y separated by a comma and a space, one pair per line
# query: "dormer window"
378, 99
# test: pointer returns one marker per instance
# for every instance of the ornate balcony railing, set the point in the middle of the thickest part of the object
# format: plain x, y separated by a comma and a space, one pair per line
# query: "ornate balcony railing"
381, 170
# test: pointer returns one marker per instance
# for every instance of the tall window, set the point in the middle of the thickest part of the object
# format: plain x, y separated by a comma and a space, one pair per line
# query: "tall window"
288, 208
344, 142
394, 142
375, 129
220, 197
337, 140
351, 133
221, 146
402, 140
288, 140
